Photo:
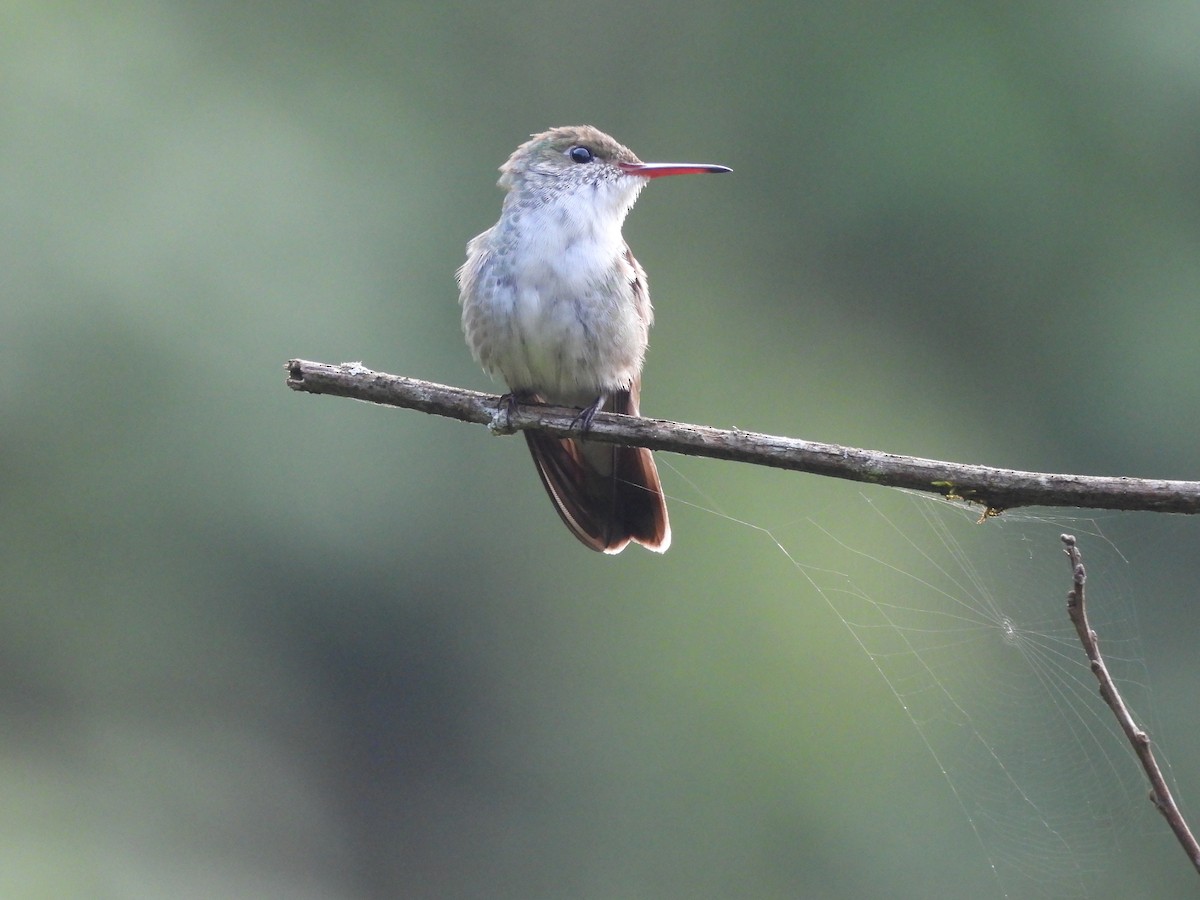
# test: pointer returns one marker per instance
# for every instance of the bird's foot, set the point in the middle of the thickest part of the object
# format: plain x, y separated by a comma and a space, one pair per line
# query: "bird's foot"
584, 419
505, 407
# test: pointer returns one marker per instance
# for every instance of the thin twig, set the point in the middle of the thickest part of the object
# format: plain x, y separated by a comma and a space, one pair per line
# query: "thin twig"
993, 489
1160, 793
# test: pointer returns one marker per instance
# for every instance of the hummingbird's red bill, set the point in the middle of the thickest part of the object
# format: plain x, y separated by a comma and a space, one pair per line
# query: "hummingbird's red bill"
660, 170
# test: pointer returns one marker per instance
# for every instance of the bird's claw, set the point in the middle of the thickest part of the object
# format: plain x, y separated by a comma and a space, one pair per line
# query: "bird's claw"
584, 419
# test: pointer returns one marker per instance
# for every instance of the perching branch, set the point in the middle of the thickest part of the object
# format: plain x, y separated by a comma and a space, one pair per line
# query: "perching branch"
1160, 793
994, 489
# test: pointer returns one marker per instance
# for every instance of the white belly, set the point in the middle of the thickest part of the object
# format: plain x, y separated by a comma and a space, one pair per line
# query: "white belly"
558, 319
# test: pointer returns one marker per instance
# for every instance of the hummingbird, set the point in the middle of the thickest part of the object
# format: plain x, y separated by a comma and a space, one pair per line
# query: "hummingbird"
554, 302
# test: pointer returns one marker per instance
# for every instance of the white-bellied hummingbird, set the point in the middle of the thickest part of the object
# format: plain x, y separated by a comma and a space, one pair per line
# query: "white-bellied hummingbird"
554, 303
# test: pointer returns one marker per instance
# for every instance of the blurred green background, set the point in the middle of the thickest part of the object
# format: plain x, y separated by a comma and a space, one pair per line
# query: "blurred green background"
259, 644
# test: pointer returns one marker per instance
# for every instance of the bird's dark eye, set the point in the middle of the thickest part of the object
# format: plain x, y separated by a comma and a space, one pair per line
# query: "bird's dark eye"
581, 154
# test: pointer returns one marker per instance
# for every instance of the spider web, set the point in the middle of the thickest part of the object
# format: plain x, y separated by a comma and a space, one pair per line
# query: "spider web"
966, 622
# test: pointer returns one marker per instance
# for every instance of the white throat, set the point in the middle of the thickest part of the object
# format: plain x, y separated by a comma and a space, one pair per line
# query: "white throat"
575, 235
